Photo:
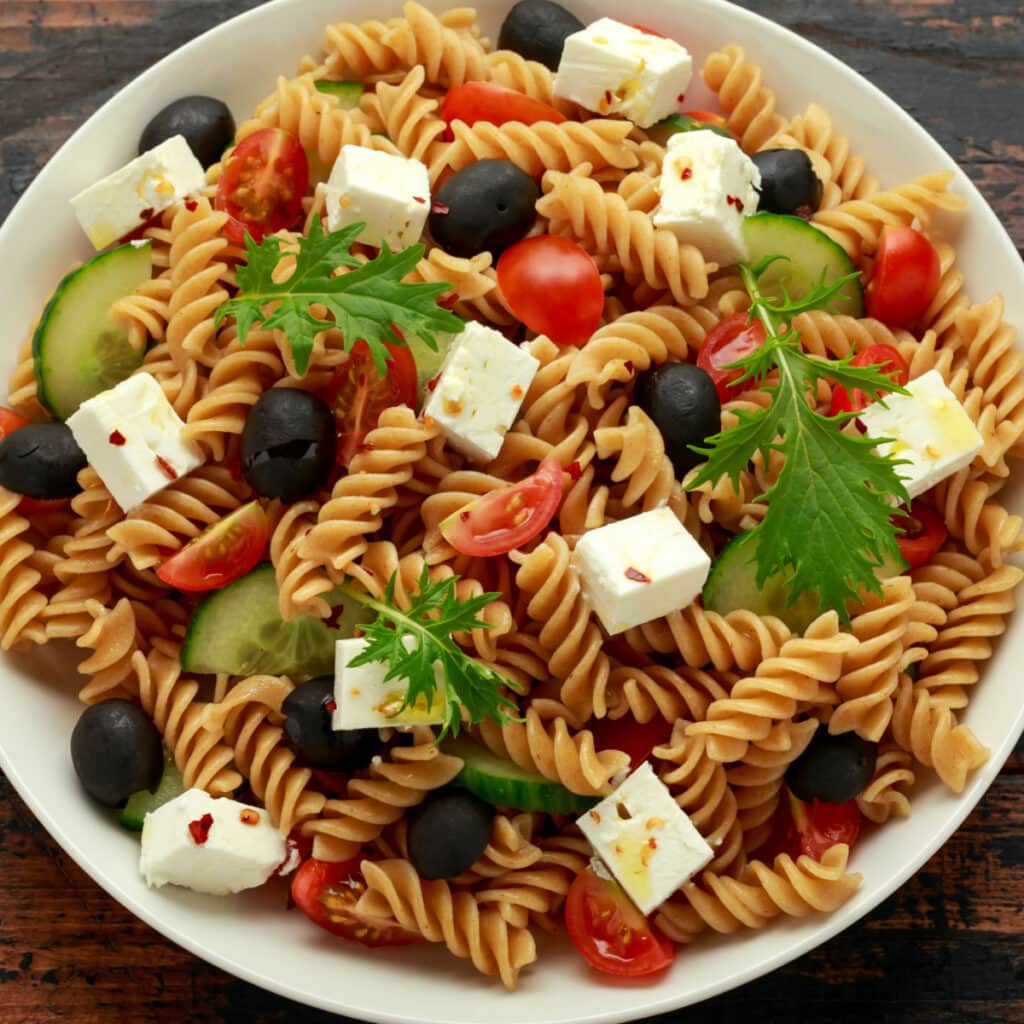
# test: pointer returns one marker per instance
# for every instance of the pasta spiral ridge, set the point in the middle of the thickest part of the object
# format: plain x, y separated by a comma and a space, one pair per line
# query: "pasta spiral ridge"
652, 690
21, 604
885, 796
448, 57
749, 105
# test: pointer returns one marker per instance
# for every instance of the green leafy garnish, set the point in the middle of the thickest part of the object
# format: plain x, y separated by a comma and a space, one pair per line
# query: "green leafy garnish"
411, 642
370, 303
829, 524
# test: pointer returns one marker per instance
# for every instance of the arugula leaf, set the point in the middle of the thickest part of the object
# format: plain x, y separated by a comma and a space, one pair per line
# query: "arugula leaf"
829, 524
411, 642
370, 303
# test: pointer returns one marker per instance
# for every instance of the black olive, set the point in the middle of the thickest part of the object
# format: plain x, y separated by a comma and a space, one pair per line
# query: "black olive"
206, 123
832, 768
788, 182
490, 206
683, 402
41, 460
537, 30
308, 727
288, 444
448, 832
116, 751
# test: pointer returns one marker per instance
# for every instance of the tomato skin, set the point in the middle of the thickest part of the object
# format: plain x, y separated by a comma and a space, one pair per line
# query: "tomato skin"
509, 517
630, 736
733, 339
484, 101
905, 277
874, 355
554, 287
262, 184
610, 933
925, 534
222, 553
341, 885
813, 828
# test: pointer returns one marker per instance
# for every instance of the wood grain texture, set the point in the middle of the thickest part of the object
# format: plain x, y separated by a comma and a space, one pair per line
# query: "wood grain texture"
946, 949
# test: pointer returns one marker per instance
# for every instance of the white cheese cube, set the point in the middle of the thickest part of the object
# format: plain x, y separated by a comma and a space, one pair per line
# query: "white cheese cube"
150, 184
708, 185
646, 839
389, 193
640, 568
363, 700
928, 428
134, 440
235, 848
612, 68
481, 387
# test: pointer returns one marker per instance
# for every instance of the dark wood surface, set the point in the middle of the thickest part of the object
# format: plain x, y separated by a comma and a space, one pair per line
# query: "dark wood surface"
947, 949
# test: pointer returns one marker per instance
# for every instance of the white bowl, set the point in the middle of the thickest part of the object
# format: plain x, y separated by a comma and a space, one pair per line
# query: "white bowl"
251, 936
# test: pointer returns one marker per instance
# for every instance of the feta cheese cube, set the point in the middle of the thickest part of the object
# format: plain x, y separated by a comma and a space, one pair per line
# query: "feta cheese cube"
150, 184
134, 440
612, 68
236, 847
928, 428
646, 839
640, 568
365, 701
390, 193
708, 184
481, 387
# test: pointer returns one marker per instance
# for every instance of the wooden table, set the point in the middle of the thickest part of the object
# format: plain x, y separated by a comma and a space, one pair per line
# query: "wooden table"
946, 949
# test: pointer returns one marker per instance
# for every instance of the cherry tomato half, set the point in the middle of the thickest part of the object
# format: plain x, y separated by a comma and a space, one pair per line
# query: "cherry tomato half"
884, 356
509, 517
923, 535
553, 285
629, 735
358, 395
484, 101
221, 554
905, 277
10, 421
263, 183
733, 339
609, 931
811, 829
327, 894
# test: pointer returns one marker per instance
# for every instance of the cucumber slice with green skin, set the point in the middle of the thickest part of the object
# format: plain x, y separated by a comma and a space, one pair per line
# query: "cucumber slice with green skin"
501, 782
347, 94
239, 630
144, 801
77, 351
808, 252
732, 586
676, 123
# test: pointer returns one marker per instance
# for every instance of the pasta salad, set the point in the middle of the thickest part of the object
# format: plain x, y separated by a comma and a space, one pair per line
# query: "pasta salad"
500, 497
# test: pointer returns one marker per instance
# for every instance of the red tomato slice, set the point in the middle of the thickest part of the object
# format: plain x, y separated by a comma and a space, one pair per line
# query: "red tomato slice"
629, 735
221, 554
484, 101
262, 184
327, 894
10, 421
609, 931
811, 829
874, 355
553, 285
507, 518
905, 277
733, 339
923, 536
358, 396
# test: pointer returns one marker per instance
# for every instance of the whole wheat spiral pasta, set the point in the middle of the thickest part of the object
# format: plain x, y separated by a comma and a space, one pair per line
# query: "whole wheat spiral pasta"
886, 794
749, 105
474, 284
21, 604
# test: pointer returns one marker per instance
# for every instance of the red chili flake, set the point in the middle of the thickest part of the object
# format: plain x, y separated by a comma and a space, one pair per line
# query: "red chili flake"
116, 438
432, 384
681, 98
464, 516
608, 96
735, 201
441, 208
191, 205
420, 199
147, 213
448, 301
629, 366
249, 817
652, 843
575, 470
166, 468
687, 173
637, 576
332, 706
200, 829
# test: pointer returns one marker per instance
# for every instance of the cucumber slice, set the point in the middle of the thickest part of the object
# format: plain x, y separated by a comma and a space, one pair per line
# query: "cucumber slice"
141, 803
347, 94
732, 586
808, 253
676, 123
428, 362
503, 783
239, 630
77, 351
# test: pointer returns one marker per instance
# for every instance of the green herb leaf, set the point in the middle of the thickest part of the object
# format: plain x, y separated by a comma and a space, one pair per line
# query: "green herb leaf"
411, 642
370, 303
829, 524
